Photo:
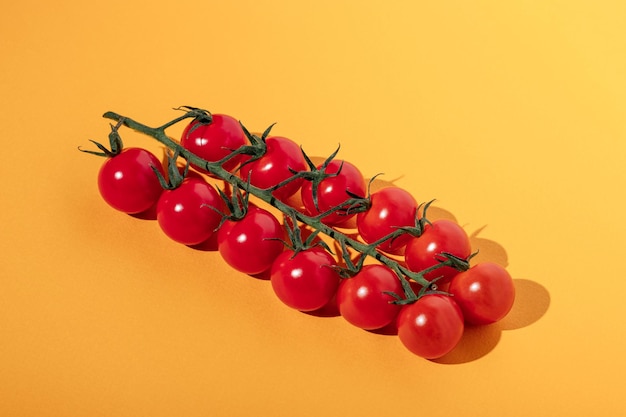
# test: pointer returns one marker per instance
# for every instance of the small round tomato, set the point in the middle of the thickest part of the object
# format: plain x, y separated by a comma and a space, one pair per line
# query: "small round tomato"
251, 244
187, 214
215, 140
364, 299
274, 166
390, 208
485, 293
306, 280
425, 251
332, 191
431, 327
127, 182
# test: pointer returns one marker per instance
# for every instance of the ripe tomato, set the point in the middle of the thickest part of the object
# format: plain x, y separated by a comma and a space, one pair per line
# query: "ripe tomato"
273, 167
185, 214
431, 327
485, 293
390, 207
363, 301
305, 281
215, 140
249, 245
127, 182
425, 251
331, 191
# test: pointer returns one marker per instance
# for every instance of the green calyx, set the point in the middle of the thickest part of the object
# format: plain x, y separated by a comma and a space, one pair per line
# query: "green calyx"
296, 242
201, 116
174, 177
315, 175
115, 143
420, 222
256, 149
237, 203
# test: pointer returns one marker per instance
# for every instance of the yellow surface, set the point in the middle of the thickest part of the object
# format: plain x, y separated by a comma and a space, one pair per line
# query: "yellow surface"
512, 114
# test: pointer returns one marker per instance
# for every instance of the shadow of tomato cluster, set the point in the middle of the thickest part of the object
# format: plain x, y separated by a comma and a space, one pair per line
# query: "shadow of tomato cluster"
532, 301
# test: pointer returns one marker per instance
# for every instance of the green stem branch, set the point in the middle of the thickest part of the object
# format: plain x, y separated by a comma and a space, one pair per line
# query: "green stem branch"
266, 196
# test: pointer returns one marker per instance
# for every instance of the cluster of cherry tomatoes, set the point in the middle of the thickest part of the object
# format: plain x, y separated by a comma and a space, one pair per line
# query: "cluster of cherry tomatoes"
251, 239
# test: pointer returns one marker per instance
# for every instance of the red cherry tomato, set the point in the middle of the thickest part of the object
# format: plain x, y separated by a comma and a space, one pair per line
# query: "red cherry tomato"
274, 167
185, 213
127, 182
363, 299
485, 293
332, 191
250, 245
431, 327
215, 140
390, 207
305, 281
425, 251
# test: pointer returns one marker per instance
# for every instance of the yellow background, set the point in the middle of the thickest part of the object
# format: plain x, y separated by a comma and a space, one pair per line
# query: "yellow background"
510, 113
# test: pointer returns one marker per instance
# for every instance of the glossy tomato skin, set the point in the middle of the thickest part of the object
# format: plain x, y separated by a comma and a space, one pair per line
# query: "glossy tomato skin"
273, 167
485, 293
215, 140
331, 192
390, 208
305, 281
425, 251
127, 182
250, 245
431, 327
185, 214
363, 301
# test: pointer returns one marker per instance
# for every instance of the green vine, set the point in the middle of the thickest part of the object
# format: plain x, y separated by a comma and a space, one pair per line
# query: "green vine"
243, 188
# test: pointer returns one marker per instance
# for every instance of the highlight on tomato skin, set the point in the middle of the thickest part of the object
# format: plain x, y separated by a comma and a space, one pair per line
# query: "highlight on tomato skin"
485, 293
215, 140
190, 213
282, 158
431, 327
251, 244
127, 181
306, 280
364, 299
439, 236
390, 208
